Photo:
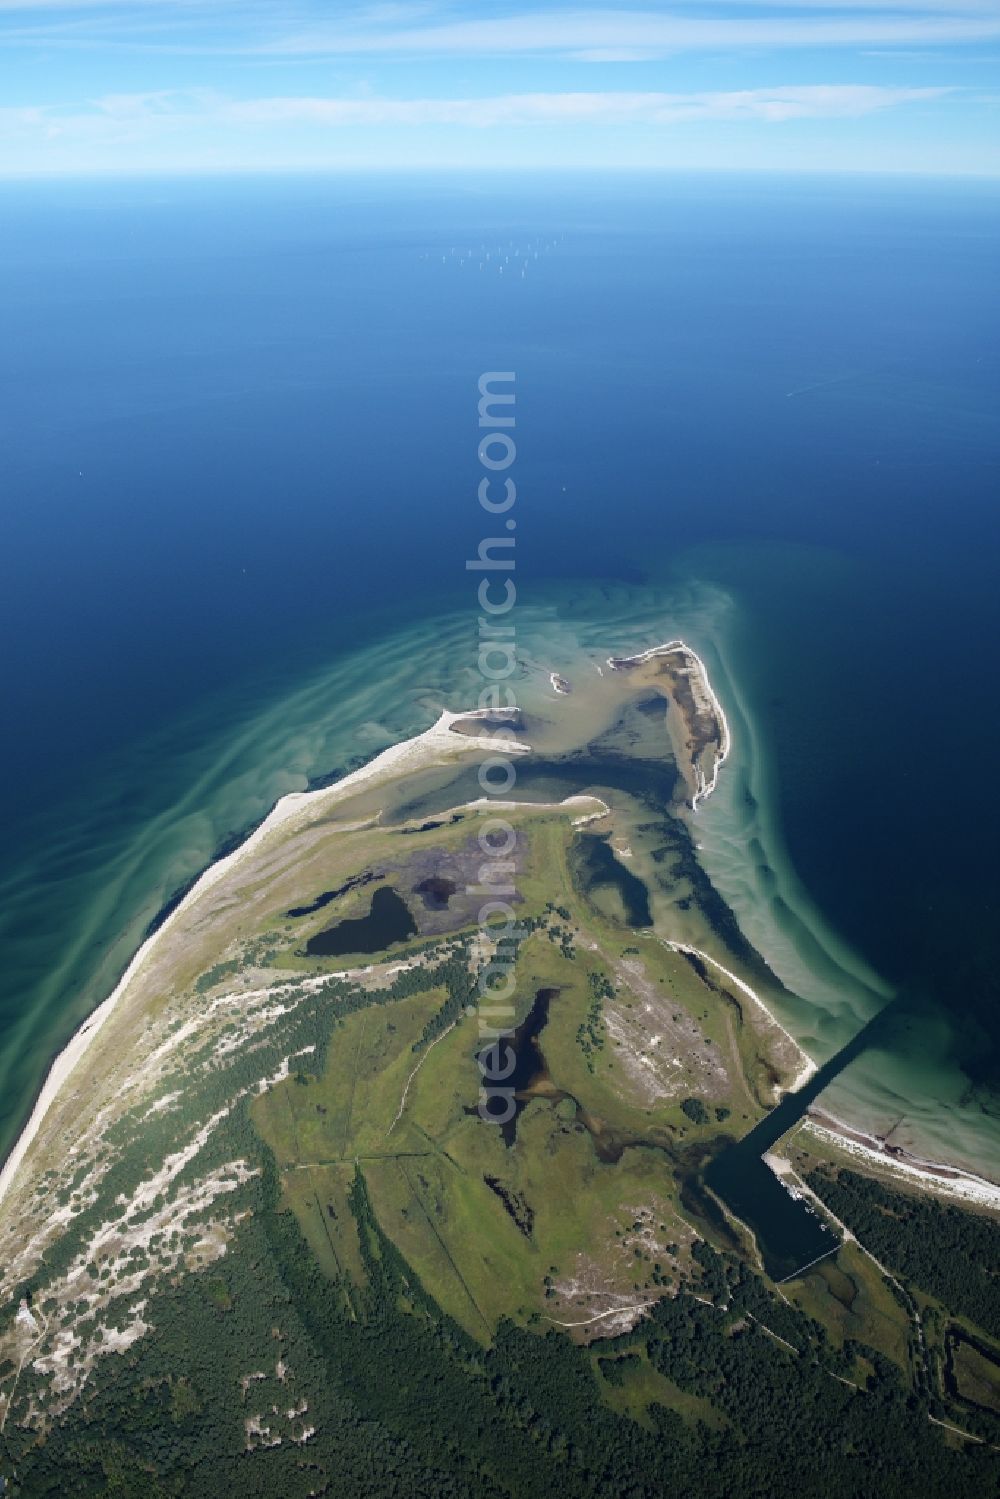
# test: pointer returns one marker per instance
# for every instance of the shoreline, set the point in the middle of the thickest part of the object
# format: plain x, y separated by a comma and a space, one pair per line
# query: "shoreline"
673, 647
946, 1181
809, 1067
437, 736
419, 749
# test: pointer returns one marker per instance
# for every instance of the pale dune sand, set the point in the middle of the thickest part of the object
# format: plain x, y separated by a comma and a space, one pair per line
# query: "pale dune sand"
959, 1185
423, 749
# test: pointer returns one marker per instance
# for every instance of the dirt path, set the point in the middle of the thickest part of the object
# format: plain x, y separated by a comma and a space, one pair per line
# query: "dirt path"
614, 1311
409, 1080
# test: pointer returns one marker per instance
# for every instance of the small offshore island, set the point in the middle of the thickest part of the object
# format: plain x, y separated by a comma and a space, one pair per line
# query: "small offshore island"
257, 1233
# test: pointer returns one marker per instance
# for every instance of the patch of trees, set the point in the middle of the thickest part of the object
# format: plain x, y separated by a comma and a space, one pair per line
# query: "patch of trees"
455, 974
215, 975
615, 1370
952, 1255
590, 1035
404, 1401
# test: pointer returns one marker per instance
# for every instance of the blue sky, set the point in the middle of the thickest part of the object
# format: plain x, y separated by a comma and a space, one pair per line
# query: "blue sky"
209, 85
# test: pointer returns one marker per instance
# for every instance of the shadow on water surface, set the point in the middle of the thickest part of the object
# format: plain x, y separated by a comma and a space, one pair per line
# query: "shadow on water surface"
789, 1234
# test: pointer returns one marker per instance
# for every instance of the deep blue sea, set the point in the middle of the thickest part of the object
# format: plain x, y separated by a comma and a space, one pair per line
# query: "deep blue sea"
238, 443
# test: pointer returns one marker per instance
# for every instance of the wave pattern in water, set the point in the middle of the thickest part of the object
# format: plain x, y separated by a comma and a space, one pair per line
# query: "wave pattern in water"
104, 864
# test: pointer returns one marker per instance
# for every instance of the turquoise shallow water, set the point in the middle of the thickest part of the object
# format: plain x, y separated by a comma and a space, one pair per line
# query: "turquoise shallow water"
240, 452
105, 879
98, 866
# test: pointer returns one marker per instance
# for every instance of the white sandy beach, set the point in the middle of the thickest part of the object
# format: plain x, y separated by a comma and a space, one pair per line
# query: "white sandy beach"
961, 1185
422, 749
808, 1067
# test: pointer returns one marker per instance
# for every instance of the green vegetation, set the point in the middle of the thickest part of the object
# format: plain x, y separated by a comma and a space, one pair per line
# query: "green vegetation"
850, 1298
976, 1375
383, 1293
215, 975
590, 1033
292, 1387
480, 1222
949, 1253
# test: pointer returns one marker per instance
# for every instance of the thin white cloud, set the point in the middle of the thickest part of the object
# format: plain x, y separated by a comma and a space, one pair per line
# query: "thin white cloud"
807, 101
142, 106
198, 131
147, 112
916, 7
403, 15
97, 7
202, 126
901, 55
644, 33
426, 28
611, 54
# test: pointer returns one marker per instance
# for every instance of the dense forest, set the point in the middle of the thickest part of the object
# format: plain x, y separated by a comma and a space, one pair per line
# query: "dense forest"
952, 1255
267, 1377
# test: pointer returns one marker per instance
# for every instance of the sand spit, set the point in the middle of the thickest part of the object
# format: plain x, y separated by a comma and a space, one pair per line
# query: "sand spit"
442, 741
705, 701
591, 808
423, 749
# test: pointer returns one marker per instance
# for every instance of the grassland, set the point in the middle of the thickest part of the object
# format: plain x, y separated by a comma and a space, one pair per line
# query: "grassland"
631, 1386
576, 1222
849, 1296
438, 1176
977, 1378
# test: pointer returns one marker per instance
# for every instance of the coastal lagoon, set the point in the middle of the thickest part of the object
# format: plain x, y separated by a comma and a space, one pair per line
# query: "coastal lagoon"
232, 583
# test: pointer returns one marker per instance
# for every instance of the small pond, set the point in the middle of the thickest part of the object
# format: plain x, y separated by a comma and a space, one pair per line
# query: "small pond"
388, 921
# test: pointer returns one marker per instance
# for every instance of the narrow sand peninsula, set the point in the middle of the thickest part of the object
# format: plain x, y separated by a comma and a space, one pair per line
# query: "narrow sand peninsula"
444, 740
434, 744
592, 809
705, 718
